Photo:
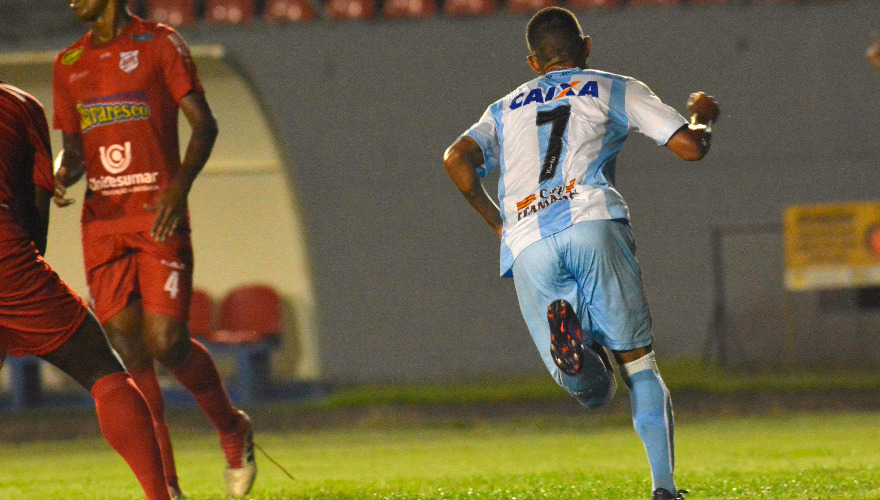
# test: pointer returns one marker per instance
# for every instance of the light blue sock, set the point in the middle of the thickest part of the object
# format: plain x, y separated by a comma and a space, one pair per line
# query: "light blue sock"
652, 417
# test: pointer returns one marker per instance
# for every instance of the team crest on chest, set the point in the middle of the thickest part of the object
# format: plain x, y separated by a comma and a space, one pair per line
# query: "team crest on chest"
128, 61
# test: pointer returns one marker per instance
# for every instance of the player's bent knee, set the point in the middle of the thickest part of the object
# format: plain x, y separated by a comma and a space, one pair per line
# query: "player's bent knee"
86, 356
168, 343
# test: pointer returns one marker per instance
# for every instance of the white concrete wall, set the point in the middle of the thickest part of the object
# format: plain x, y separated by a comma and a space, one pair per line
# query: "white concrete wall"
246, 221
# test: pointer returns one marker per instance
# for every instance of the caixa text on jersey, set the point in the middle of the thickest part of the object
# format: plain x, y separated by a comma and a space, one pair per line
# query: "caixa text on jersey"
590, 88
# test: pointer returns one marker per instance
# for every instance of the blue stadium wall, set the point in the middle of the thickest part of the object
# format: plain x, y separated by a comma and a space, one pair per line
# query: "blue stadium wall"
406, 275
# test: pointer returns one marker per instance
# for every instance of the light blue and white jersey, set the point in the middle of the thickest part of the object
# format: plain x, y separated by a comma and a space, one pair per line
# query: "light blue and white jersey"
556, 139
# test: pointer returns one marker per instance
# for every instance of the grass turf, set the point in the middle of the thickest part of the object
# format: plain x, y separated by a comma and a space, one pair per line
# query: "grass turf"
678, 375
781, 456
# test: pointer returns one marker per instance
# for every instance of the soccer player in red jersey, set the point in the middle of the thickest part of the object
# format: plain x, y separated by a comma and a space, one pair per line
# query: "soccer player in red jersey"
39, 314
117, 93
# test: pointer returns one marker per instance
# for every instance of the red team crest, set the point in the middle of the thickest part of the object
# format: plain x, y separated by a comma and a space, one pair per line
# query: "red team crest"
128, 61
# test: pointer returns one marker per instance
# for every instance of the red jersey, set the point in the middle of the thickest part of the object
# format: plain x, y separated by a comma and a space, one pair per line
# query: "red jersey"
122, 97
27, 154
38, 311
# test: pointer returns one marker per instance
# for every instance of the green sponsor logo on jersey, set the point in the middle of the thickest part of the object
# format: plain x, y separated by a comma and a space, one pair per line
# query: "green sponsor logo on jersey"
72, 56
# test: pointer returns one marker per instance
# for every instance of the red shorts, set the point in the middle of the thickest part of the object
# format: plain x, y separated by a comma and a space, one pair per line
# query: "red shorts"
124, 267
38, 311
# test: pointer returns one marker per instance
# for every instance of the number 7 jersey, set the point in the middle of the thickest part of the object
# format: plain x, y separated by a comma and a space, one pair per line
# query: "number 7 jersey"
555, 140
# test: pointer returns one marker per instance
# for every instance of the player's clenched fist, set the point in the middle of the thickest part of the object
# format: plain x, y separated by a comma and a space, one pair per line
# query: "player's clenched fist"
873, 52
703, 108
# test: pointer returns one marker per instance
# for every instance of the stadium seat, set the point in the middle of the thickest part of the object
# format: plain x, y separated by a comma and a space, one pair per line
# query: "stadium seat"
462, 8
654, 2
288, 11
171, 12
202, 319
528, 6
250, 313
350, 9
409, 9
249, 329
593, 4
229, 11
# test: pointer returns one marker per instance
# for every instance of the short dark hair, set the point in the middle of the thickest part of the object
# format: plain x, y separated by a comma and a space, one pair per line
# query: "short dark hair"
554, 33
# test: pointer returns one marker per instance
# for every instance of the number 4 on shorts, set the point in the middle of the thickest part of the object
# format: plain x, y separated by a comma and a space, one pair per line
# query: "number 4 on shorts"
172, 284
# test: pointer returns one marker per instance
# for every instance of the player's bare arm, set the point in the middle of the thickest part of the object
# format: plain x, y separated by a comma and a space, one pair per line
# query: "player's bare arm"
692, 141
171, 205
462, 159
39, 229
873, 52
71, 169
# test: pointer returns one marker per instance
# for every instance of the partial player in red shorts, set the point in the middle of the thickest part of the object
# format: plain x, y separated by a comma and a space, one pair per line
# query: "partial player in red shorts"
118, 92
39, 314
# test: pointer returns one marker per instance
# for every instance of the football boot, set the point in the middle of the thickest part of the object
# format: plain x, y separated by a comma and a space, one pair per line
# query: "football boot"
242, 465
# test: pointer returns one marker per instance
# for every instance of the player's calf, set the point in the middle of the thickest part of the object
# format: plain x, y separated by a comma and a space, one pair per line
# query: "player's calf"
653, 420
585, 372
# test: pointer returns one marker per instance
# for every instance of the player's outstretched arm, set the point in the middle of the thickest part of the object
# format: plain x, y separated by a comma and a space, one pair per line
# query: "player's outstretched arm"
692, 141
462, 159
39, 227
170, 207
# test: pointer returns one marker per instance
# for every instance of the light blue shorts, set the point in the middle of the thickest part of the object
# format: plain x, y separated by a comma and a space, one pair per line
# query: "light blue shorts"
593, 266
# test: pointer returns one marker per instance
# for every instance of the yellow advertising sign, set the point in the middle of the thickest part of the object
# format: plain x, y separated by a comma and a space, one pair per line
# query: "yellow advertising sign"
832, 246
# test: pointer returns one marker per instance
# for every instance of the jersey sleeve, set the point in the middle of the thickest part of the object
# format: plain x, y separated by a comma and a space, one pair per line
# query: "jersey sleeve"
485, 132
178, 67
647, 113
65, 117
38, 133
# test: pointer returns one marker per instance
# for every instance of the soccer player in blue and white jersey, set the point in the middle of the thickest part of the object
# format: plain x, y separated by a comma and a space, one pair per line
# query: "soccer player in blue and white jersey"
564, 228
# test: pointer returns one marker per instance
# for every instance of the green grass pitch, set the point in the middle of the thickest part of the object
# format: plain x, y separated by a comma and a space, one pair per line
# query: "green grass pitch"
800, 456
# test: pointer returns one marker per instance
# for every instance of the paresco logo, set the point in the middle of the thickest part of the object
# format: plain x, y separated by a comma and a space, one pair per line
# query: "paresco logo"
116, 158
590, 88
97, 115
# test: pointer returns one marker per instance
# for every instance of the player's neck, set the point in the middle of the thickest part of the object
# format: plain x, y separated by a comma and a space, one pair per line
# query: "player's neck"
560, 66
109, 25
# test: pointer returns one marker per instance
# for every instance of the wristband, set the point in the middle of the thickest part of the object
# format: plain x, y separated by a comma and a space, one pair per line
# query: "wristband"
706, 127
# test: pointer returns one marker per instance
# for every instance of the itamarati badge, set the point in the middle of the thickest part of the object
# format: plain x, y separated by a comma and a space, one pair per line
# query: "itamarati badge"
128, 61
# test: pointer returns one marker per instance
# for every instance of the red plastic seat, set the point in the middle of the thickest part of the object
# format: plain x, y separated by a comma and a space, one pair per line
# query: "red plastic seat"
229, 11
172, 12
250, 313
201, 314
288, 11
593, 4
409, 9
528, 6
462, 8
350, 9
654, 2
